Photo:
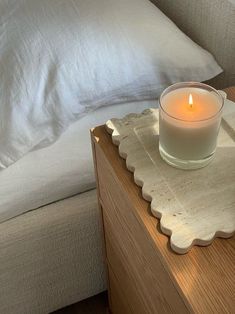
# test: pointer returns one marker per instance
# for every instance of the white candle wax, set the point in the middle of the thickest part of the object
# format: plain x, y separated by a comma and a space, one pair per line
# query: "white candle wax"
189, 123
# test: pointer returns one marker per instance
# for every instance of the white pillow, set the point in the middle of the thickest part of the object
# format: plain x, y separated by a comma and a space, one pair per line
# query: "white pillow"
60, 59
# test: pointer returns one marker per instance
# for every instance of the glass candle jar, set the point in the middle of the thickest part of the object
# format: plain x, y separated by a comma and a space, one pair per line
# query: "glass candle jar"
189, 121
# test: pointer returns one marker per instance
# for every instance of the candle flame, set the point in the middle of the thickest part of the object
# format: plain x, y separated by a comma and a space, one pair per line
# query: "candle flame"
190, 100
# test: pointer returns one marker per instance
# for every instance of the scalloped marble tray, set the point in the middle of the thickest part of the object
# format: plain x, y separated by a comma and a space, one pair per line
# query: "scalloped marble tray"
194, 207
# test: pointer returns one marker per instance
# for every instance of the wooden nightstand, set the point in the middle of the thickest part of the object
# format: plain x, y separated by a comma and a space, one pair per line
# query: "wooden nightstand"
230, 93
144, 275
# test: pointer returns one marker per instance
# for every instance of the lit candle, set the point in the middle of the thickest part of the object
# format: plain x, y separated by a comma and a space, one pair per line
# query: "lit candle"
190, 115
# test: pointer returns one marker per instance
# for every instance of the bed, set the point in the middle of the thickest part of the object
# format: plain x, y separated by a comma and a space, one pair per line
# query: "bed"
50, 228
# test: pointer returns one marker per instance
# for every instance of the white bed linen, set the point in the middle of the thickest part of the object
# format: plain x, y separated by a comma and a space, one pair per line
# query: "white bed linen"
61, 59
60, 170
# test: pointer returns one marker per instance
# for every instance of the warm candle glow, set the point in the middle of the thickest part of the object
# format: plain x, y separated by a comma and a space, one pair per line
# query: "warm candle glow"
190, 100
190, 115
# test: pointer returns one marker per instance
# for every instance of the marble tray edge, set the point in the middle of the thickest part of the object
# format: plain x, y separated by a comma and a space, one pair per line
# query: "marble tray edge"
116, 139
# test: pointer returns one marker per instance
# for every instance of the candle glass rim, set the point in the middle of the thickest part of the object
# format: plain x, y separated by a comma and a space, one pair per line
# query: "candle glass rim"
188, 84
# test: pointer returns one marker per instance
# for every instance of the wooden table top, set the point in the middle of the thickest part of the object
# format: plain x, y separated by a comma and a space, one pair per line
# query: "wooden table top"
230, 93
204, 271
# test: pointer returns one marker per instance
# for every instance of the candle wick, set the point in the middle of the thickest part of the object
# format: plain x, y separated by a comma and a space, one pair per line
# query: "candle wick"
190, 100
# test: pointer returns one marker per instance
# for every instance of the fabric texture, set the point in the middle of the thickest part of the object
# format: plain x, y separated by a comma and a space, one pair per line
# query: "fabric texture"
211, 24
61, 59
60, 170
51, 257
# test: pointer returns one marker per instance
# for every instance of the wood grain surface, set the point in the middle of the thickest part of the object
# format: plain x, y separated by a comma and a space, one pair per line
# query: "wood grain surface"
230, 91
204, 279
125, 239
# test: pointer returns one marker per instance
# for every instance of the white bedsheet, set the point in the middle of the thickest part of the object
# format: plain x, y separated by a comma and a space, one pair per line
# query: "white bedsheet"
60, 170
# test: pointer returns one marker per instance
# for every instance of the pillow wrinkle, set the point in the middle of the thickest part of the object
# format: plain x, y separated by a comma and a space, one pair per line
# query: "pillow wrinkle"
61, 59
